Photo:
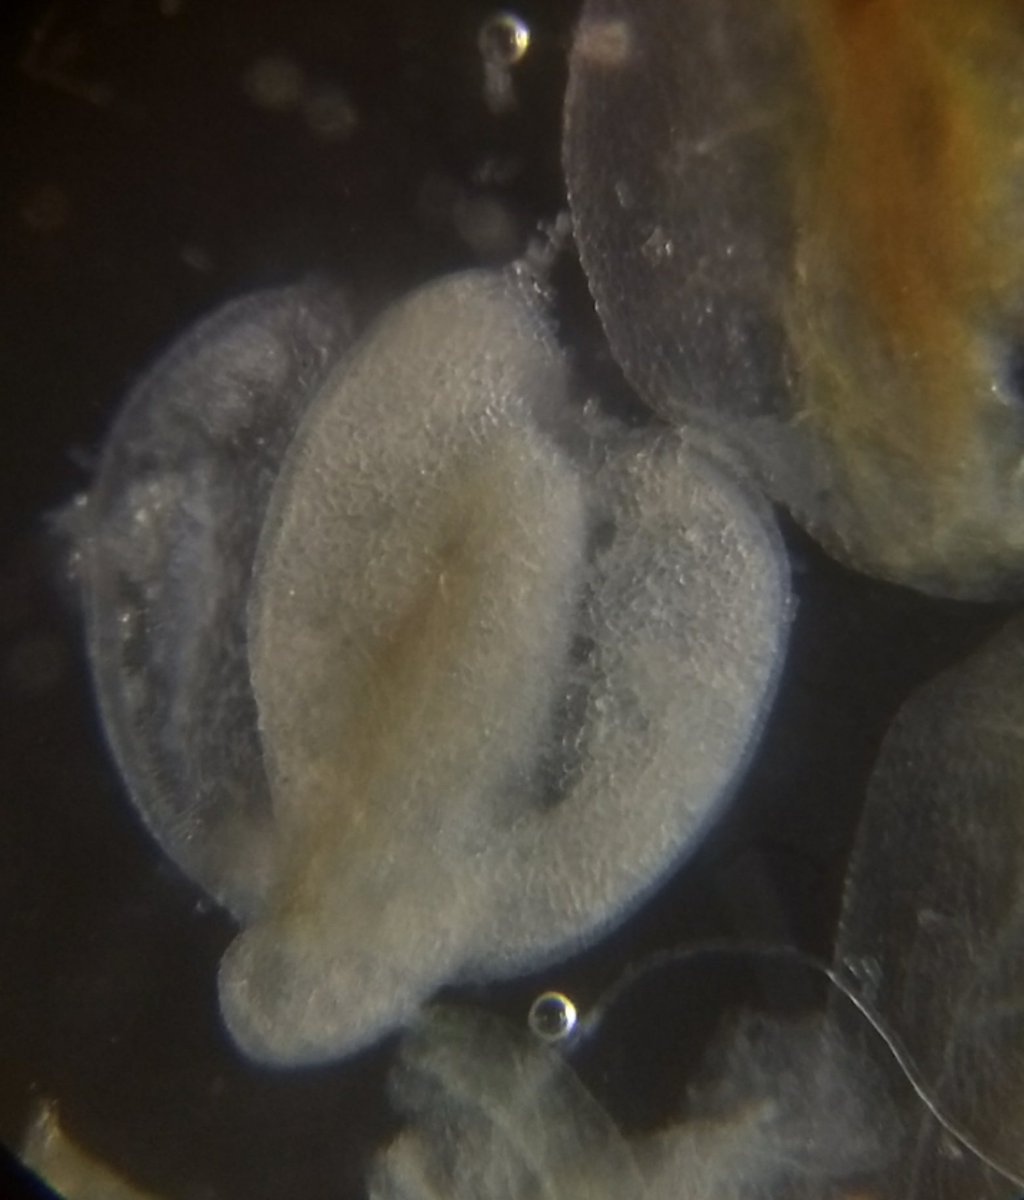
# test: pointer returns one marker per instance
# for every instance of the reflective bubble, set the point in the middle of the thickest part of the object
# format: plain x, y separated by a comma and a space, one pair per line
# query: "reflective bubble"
504, 39
552, 1016
819, 257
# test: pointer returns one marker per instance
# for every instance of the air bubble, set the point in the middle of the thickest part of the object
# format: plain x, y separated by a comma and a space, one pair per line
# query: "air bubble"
504, 39
552, 1016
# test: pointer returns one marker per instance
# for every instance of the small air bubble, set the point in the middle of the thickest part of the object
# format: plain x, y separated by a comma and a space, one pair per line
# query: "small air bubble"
552, 1016
504, 39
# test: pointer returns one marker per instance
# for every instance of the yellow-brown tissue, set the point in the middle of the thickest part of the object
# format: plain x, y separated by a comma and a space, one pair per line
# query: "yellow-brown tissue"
810, 238
67, 1167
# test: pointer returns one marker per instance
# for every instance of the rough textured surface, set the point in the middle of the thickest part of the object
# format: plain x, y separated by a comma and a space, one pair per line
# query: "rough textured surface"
811, 244
506, 668
682, 613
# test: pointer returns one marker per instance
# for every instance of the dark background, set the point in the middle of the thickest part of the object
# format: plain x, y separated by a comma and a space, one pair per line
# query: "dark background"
146, 175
